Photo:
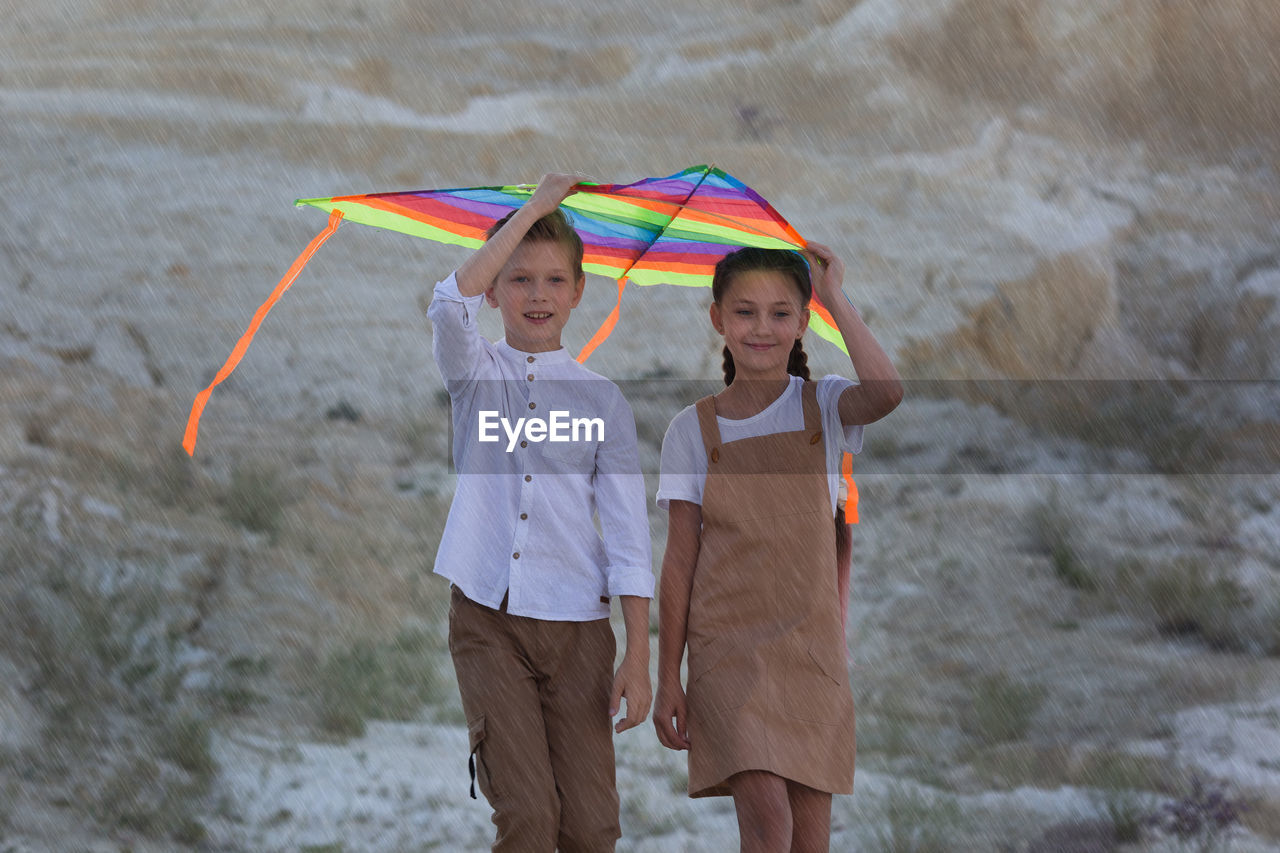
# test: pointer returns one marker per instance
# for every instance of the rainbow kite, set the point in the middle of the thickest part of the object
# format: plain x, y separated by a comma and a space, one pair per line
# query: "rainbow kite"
669, 230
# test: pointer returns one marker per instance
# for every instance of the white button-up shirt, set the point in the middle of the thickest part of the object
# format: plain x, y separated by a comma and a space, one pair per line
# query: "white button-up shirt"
522, 521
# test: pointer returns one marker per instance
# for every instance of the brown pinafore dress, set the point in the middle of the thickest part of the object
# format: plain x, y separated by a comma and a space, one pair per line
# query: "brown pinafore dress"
768, 686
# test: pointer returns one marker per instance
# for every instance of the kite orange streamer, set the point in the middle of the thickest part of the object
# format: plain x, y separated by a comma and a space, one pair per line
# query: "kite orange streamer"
851, 505
606, 328
193, 422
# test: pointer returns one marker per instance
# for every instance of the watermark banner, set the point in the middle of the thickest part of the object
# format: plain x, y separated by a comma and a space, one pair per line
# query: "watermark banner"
942, 427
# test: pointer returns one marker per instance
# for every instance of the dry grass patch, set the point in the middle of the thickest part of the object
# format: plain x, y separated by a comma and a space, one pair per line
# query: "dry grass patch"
388, 680
916, 820
1122, 790
256, 497
1001, 708
106, 679
1055, 532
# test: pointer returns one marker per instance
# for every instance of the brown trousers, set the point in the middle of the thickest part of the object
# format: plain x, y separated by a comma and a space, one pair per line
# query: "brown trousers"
536, 698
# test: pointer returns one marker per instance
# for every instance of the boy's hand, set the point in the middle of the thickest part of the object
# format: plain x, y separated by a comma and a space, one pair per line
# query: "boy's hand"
671, 706
478, 272
552, 189
631, 681
826, 272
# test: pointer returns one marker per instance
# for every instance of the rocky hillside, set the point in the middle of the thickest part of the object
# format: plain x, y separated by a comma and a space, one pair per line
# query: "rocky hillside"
1060, 217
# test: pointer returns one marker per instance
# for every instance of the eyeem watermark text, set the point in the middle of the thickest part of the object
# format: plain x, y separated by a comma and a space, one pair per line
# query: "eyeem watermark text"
558, 427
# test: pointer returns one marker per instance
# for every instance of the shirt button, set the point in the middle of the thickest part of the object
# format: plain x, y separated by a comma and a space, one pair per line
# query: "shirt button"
528, 477
533, 405
516, 555
524, 516
530, 359
530, 377
524, 444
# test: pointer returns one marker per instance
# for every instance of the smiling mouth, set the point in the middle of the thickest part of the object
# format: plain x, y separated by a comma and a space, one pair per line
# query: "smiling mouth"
538, 315
760, 347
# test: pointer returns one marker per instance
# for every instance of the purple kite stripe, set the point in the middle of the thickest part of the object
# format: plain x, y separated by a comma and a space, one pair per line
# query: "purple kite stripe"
616, 242
687, 247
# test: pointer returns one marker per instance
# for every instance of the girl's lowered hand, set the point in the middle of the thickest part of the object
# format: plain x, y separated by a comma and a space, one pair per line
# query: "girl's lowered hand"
671, 707
826, 271
553, 188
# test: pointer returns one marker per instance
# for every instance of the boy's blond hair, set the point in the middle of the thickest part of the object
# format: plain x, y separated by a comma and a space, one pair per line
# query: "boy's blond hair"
555, 227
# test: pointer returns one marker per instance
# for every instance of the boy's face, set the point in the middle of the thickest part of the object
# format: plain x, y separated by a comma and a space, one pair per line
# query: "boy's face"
535, 292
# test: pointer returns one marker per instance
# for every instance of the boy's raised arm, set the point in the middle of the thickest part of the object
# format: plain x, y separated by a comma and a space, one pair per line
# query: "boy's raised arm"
455, 343
479, 270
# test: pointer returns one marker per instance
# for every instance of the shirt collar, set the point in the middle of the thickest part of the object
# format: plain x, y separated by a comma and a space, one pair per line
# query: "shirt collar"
555, 356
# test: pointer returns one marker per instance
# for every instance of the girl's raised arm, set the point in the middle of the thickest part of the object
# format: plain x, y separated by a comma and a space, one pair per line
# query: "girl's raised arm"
880, 388
684, 531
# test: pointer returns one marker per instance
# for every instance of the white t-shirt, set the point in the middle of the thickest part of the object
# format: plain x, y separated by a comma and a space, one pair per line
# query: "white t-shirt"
683, 469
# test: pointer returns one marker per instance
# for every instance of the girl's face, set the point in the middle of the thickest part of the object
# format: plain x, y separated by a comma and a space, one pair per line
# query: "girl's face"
761, 316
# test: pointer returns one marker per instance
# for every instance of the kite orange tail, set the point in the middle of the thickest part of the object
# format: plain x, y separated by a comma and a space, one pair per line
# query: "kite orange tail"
606, 328
237, 353
851, 504
844, 545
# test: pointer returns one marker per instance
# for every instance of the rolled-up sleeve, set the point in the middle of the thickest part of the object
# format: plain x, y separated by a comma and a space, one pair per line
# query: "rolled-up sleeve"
455, 339
620, 504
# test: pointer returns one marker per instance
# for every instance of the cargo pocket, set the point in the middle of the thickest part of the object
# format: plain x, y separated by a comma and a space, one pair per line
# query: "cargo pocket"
475, 762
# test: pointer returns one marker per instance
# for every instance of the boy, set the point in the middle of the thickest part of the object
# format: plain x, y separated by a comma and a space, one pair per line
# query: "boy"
531, 578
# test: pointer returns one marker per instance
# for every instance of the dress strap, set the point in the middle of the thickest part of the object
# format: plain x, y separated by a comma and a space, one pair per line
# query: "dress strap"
812, 412
707, 424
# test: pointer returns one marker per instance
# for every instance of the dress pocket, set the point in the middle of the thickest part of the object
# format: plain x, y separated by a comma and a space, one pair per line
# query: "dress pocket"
721, 677
817, 686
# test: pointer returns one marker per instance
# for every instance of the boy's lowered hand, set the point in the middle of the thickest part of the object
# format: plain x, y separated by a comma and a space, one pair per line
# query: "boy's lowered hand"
632, 678
631, 682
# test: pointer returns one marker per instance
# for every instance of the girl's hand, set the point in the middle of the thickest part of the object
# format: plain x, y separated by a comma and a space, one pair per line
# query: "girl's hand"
826, 272
670, 706
552, 189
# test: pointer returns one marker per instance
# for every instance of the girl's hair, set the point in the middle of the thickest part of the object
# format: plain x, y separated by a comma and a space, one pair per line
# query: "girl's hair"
790, 264
555, 227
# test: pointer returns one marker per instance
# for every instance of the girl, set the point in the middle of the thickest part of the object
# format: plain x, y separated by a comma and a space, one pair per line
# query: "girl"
749, 478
